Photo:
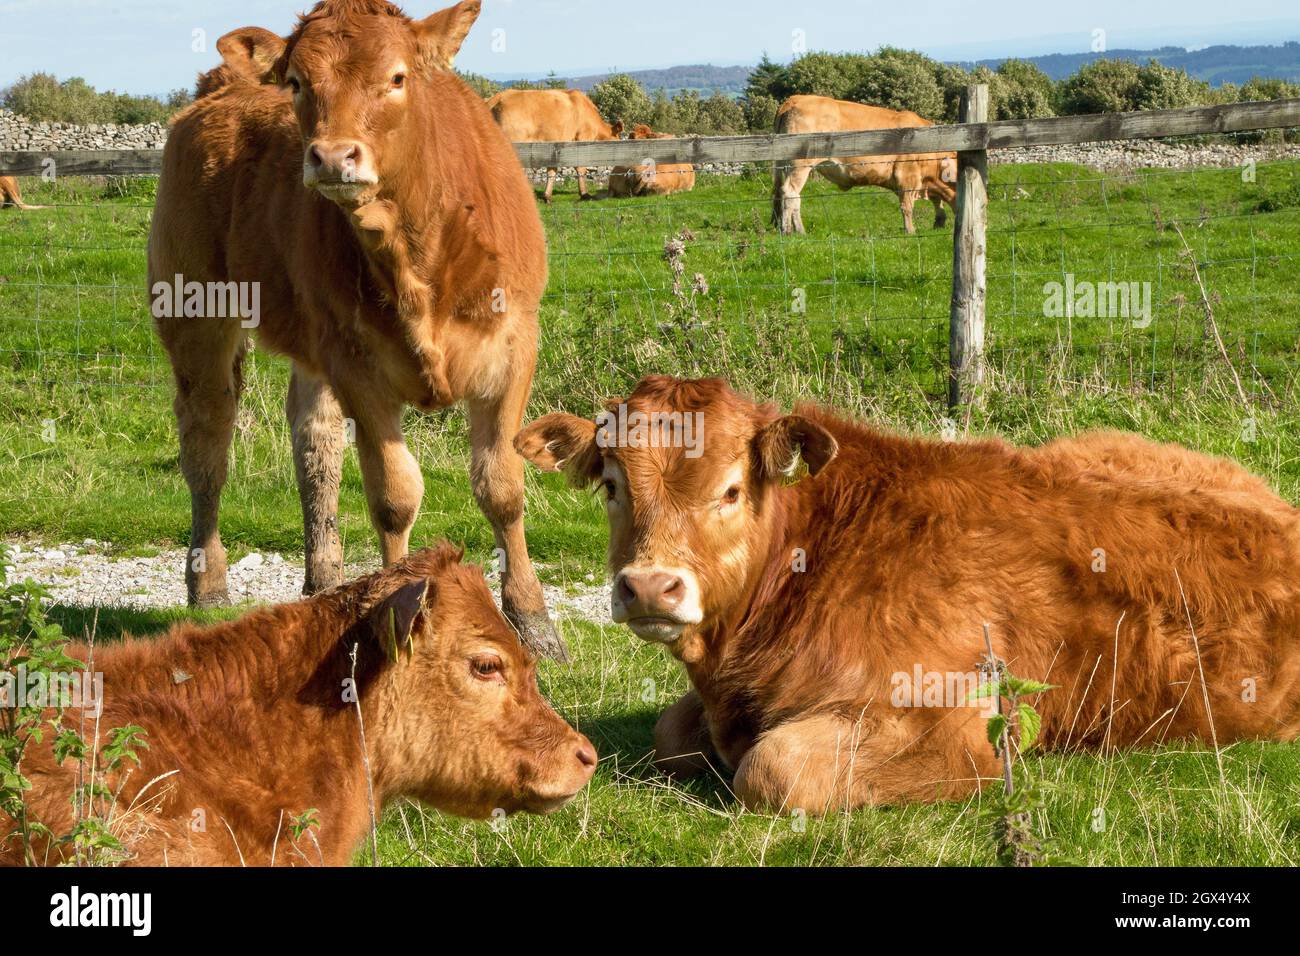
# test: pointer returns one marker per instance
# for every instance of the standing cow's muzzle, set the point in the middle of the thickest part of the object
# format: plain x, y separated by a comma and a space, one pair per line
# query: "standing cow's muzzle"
656, 603
341, 170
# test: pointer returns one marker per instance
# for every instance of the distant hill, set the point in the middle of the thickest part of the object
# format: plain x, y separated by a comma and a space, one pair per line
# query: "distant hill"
1216, 65
702, 77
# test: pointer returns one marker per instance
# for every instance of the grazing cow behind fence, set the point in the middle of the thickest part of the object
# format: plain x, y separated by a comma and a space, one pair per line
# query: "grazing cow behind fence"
366, 218
546, 116
255, 721
910, 177
650, 178
10, 194
833, 626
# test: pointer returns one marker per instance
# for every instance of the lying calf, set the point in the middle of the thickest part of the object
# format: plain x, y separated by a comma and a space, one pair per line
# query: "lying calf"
833, 627
258, 716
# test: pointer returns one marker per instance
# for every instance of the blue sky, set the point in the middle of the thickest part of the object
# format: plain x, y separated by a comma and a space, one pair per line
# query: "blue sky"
147, 46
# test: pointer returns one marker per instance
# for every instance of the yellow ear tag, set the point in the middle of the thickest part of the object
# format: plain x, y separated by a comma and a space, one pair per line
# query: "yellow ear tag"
797, 474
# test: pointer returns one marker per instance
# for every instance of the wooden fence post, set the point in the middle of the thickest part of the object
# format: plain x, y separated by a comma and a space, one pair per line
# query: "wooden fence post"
966, 318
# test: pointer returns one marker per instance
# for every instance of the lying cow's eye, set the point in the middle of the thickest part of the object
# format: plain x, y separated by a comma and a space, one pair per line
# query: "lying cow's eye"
611, 490
486, 666
399, 80
732, 495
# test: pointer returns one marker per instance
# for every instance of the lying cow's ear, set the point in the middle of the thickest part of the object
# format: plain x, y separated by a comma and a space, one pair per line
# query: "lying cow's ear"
394, 617
252, 52
780, 446
441, 34
560, 442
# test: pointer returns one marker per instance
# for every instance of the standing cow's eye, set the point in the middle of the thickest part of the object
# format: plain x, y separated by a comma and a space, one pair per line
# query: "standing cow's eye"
486, 667
399, 80
731, 495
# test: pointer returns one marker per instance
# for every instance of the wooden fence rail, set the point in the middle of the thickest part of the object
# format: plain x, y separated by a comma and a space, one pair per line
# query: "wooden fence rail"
971, 140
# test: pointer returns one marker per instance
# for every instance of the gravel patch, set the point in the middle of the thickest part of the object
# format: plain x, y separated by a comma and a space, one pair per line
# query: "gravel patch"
90, 574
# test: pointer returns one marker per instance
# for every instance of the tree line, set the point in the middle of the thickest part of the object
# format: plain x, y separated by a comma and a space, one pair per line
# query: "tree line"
892, 77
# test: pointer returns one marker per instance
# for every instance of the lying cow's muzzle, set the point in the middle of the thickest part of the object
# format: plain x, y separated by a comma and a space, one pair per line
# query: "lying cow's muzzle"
656, 603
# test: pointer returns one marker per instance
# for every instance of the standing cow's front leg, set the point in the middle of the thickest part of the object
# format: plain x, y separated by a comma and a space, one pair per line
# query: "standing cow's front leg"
497, 476
318, 439
550, 185
582, 183
682, 744
825, 763
390, 473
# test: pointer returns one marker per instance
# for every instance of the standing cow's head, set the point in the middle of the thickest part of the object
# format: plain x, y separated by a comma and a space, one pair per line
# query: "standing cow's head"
458, 720
688, 471
358, 72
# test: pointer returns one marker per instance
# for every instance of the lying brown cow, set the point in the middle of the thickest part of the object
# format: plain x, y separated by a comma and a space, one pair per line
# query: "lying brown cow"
552, 116
910, 177
254, 722
375, 220
1158, 588
650, 178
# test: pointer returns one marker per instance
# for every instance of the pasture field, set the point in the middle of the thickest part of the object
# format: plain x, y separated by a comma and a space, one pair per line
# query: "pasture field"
853, 314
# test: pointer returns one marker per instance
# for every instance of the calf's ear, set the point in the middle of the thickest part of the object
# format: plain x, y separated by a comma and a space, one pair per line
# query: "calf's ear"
252, 52
441, 34
780, 446
393, 619
560, 442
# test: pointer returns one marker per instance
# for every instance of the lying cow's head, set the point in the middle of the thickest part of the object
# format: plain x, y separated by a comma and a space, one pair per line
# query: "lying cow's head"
358, 73
461, 723
688, 497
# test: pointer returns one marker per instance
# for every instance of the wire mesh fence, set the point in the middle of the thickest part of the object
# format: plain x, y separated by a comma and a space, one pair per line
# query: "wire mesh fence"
1098, 281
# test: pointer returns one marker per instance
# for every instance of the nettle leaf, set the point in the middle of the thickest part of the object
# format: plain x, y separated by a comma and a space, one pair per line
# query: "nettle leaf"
991, 689
997, 724
1030, 723
1019, 686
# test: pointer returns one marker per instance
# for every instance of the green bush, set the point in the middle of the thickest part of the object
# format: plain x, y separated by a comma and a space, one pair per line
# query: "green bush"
42, 98
480, 84
1164, 88
1103, 86
622, 98
900, 80
1024, 91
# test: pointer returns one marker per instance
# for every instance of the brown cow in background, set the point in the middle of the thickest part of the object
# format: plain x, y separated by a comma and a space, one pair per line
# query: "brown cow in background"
833, 626
910, 177
651, 179
548, 116
10, 194
392, 241
251, 723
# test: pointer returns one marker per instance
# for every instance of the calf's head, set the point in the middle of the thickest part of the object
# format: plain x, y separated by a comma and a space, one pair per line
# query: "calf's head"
459, 722
689, 471
358, 72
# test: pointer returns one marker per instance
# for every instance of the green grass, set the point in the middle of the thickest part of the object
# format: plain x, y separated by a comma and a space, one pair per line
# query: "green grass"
76, 349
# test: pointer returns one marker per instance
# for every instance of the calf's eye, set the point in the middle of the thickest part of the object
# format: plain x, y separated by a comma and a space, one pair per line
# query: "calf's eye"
486, 667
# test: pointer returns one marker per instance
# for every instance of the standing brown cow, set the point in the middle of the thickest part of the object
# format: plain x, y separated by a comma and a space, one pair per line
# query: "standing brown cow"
10, 194
551, 116
381, 228
651, 179
833, 626
910, 177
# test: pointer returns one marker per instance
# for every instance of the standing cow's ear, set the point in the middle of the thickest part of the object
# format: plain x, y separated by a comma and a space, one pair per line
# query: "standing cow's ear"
780, 445
252, 52
393, 618
441, 34
560, 442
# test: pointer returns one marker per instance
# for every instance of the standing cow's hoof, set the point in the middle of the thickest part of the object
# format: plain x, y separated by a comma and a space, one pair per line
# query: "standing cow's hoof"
583, 197
538, 634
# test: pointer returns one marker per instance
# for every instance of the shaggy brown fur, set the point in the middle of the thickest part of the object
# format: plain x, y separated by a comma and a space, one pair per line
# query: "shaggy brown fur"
910, 177
661, 179
1143, 579
409, 272
542, 116
253, 716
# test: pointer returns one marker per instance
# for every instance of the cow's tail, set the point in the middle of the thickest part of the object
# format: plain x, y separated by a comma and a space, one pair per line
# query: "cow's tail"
780, 172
